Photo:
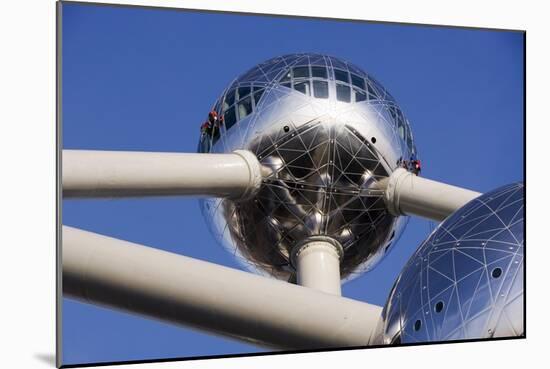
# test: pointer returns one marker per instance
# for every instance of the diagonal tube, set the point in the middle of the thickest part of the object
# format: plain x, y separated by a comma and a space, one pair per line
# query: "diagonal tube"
177, 289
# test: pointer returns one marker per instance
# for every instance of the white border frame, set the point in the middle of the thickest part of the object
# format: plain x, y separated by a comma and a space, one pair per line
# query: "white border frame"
28, 185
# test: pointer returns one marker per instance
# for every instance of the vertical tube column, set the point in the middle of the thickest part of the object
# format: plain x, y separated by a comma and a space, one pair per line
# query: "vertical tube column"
317, 264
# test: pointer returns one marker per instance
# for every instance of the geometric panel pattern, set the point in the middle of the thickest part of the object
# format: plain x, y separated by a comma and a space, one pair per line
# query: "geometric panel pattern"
466, 280
280, 74
324, 182
329, 133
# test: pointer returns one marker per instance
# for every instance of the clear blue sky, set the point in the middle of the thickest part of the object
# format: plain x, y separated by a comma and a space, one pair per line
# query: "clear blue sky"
144, 79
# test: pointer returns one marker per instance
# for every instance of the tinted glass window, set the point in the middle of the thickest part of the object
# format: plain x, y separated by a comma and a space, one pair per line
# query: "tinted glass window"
286, 84
320, 72
341, 75
243, 91
359, 96
320, 89
229, 117
258, 96
343, 93
229, 99
358, 81
301, 72
303, 87
245, 107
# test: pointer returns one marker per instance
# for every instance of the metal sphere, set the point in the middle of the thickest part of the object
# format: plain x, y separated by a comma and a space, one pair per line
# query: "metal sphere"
466, 280
328, 132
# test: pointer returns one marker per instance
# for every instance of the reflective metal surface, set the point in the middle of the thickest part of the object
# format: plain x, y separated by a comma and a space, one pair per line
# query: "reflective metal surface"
328, 132
466, 280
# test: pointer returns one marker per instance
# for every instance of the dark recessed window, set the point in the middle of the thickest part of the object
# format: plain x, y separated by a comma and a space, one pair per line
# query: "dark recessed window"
359, 96
229, 99
244, 107
286, 84
343, 93
244, 91
497, 272
319, 72
229, 117
320, 89
303, 87
301, 72
438, 307
258, 96
341, 75
417, 325
357, 81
